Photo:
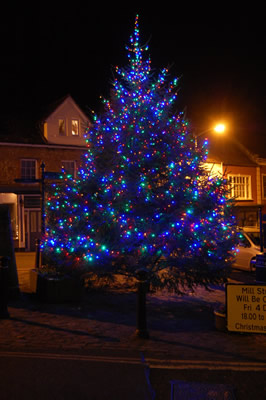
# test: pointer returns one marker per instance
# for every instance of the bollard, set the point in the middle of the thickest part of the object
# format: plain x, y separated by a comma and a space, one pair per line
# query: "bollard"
37, 253
141, 331
4, 287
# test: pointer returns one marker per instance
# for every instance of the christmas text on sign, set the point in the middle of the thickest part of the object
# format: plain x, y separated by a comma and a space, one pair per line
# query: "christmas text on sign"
246, 308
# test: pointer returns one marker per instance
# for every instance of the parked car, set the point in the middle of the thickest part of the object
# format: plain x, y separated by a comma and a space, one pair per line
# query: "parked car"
247, 249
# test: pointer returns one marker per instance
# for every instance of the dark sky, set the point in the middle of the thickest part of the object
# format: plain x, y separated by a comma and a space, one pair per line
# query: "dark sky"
52, 52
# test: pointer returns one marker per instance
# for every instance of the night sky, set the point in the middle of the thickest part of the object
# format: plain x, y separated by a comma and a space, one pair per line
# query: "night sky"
221, 64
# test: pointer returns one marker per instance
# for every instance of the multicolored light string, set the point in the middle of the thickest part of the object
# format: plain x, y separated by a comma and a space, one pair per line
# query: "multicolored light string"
141, 192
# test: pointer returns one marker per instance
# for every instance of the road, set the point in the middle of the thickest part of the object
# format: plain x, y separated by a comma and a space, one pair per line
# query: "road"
66, 376
110, 376
243, 385
114, 376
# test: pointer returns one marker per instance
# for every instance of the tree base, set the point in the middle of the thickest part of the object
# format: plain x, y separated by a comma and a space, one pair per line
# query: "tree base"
58, 290
142, 333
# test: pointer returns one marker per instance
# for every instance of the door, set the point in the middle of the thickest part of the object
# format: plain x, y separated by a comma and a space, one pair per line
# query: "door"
32, 228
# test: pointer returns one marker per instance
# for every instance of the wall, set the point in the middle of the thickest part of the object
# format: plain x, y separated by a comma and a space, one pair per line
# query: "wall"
51, 156
252, 171
66, 111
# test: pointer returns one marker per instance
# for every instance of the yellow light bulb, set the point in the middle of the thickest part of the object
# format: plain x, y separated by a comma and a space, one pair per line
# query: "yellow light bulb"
220, 128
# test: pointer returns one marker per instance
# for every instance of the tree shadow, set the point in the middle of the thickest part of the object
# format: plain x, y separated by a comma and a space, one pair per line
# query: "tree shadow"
65, 330
121, 309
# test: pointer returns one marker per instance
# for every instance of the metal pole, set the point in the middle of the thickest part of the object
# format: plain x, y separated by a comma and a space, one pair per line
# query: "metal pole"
37, 254
261, 231
43, 198
4, 261
141, 331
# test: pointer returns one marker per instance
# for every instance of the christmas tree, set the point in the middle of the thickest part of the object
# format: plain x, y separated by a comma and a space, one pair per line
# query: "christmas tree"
142, 198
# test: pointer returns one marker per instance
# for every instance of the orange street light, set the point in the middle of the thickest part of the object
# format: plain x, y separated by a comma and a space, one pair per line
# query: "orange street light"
218, 128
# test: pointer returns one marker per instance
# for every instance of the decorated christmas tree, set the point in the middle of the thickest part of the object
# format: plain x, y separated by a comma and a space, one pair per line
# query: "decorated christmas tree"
142, 198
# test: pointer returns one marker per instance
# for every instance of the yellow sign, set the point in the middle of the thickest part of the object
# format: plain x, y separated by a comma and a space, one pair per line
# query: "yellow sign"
246, 308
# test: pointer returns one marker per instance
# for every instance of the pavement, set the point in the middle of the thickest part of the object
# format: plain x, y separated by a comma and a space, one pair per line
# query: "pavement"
183, 343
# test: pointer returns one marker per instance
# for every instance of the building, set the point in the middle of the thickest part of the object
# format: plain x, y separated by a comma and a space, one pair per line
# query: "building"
246, 174
56, 141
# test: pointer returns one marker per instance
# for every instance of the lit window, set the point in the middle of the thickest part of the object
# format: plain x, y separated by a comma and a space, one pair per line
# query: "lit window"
62, 130
240, 186
264, 185
75, 127
69, 167
28, 169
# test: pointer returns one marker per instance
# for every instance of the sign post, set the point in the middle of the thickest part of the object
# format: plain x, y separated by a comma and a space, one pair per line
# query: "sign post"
246, 307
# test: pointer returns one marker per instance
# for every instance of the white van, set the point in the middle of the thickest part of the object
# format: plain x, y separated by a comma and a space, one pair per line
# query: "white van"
249, 246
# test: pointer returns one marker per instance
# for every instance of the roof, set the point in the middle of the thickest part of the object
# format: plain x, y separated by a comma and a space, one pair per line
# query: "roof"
229, 152
50, 108
27, 126
21, 128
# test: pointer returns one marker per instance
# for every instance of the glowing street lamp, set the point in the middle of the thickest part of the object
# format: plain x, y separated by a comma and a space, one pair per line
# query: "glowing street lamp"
218, 128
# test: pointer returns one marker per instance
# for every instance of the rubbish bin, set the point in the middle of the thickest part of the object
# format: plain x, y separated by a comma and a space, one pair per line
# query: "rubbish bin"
4, 287
261, 268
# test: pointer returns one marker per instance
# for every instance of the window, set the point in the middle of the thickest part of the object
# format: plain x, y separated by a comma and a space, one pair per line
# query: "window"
75, 127
61, 127
243, 241
247, 217
264, 185
32, 201
69, 167
28, 169
240, 186
254, 237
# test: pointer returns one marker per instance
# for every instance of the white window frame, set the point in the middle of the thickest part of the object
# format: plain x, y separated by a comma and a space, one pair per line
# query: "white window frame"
64, 162
74, 120
22, 160
240, 186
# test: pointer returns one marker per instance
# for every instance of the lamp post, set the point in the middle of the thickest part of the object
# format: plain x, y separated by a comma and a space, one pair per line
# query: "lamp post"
218, 129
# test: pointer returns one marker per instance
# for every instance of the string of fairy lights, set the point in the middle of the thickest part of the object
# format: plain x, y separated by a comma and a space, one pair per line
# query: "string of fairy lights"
141, 190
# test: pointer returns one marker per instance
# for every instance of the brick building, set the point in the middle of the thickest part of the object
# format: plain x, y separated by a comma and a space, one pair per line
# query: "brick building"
246, 174
57, 141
